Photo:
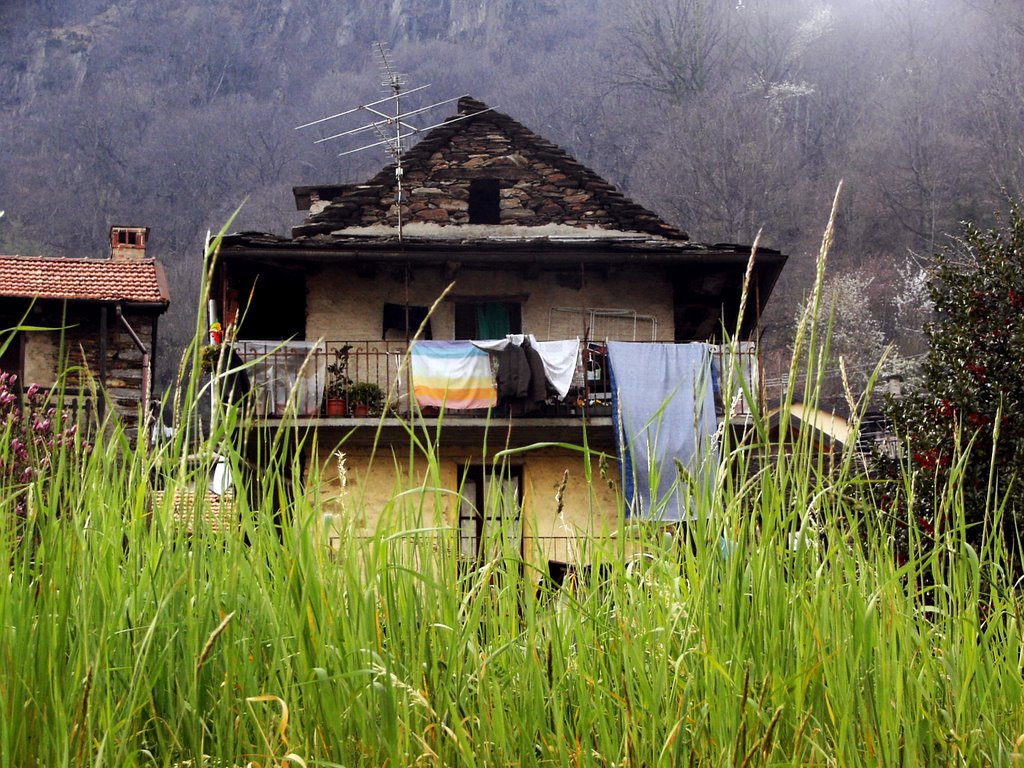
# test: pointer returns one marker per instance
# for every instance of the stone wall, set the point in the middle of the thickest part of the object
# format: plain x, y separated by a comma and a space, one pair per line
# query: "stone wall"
80, 344
533, 191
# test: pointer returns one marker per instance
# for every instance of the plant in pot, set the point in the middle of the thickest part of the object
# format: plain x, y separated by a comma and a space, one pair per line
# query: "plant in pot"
209, 356
338, 383
367, 399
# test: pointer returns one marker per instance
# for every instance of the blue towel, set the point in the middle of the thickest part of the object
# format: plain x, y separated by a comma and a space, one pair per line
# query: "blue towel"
664, 410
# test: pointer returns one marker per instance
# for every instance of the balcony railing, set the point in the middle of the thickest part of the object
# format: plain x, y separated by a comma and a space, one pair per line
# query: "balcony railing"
292, 377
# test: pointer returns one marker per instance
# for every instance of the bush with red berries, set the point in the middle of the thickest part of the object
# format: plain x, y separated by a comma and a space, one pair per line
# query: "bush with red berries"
965, 427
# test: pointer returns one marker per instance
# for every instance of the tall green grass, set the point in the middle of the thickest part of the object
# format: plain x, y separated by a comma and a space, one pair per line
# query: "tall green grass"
127, 641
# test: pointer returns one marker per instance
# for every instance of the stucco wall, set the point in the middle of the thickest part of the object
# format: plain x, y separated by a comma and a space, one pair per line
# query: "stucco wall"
343, 305
393, 492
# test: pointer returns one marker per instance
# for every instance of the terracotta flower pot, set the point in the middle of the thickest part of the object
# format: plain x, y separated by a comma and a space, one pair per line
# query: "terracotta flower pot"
336, 407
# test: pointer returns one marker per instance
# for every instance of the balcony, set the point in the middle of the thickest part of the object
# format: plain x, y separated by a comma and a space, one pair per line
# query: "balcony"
291, 379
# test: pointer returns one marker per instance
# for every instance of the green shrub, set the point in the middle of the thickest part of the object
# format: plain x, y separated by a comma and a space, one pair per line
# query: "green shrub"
965, 427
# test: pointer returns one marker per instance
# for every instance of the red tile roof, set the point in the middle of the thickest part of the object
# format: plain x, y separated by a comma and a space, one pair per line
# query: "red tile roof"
141, 281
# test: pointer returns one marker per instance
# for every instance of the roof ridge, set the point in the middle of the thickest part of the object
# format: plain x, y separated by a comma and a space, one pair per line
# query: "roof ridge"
79, 259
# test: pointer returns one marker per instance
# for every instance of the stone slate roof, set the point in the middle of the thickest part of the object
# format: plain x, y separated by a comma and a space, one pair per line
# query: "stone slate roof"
137, 282
558, 188
469, 248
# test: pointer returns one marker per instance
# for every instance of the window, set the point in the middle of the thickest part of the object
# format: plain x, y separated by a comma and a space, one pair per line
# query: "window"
276, 299
487, 319
484, 201
401, 321
129, 237
490, 513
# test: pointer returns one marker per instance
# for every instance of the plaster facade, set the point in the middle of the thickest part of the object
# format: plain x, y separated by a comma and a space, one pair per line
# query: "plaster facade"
387, 491
344, 305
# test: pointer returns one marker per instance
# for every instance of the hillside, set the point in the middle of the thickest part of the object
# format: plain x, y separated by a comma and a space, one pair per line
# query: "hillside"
723, 119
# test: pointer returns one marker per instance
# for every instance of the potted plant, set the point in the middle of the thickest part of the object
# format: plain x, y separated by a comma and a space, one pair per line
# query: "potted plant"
367, 399
209, 355
338, 383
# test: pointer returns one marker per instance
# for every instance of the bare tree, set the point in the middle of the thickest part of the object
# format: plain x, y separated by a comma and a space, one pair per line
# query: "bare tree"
677, 49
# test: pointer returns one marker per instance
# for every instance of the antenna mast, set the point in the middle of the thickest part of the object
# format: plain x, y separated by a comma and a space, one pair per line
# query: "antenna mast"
394, 82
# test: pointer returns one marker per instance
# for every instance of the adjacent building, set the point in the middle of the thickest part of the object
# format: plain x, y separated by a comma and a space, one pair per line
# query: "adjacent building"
86, 321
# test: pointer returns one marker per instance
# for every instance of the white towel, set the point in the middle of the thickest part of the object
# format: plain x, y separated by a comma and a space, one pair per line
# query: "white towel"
559, 358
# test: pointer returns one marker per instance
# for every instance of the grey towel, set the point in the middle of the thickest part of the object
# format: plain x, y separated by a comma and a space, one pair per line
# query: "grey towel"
665, 413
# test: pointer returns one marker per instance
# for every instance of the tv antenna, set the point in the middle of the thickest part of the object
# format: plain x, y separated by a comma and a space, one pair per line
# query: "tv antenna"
381, 122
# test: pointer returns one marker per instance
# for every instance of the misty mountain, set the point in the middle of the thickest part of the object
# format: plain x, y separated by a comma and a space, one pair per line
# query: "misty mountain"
723, 117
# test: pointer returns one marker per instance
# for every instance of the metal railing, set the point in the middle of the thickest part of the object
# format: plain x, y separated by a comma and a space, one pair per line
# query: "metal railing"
294, 377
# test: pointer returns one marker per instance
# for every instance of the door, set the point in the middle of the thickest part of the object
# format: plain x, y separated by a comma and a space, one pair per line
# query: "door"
490, 512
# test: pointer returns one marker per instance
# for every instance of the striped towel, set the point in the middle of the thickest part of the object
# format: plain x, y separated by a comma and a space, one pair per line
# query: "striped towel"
454, 374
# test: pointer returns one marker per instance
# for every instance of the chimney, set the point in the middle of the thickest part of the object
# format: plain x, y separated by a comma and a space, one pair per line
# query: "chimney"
128, 243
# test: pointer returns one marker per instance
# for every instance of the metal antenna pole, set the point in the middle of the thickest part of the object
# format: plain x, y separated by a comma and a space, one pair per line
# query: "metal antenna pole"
393, 81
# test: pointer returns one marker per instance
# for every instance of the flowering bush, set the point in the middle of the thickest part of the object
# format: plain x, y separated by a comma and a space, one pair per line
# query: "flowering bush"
973, 393
33, 435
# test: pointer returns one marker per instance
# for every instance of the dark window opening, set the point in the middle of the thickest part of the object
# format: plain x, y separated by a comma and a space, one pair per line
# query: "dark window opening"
401, 321
272, 303
487, 319
127, 237
12, 359
490, 511
484, 201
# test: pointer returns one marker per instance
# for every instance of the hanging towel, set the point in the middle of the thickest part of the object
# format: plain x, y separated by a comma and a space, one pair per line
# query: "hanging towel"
559, 358
496, 345
454, 374
664, 410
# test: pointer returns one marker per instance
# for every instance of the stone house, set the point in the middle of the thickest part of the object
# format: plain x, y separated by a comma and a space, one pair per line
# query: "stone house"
99, 316
486, 232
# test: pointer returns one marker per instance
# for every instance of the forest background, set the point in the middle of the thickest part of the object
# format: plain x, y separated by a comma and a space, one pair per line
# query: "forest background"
723, 116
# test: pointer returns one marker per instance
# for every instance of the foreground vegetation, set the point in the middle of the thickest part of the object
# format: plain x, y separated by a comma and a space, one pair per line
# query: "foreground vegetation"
799, 620
774, 639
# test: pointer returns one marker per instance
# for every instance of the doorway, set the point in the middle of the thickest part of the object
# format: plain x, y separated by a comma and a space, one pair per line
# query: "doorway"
490, 512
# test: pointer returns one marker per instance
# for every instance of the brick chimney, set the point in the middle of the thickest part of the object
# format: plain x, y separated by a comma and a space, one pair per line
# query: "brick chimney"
128, 243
